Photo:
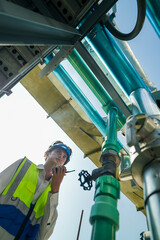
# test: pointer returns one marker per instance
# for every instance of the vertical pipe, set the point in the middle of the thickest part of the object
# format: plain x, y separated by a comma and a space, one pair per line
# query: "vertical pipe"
143, 102
111, 132
112, 126
151, 180
80, 225
104, 216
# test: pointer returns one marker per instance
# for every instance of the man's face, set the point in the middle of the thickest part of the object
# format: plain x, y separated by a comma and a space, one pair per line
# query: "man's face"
58, 156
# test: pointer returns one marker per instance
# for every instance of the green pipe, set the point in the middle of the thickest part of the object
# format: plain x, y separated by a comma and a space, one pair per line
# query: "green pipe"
93, 83
111, 126
78, 63
111, 133
104, 216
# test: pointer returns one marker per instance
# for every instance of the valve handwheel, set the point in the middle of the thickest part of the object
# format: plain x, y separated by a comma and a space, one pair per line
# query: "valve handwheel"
85, 180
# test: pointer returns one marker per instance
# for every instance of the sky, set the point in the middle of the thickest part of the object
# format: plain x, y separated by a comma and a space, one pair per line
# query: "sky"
26, 131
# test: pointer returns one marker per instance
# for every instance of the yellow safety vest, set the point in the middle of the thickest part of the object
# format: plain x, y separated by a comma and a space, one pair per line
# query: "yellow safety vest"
26, 189
18, 215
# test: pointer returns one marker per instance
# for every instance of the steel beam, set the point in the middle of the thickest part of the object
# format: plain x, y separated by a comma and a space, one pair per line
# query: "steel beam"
102, 79
26, 69
56, 60
20, 26
96, 15
90, 21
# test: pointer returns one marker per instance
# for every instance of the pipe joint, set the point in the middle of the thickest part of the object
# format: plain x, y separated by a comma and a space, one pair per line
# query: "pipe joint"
105, 211
106, 194
109, 155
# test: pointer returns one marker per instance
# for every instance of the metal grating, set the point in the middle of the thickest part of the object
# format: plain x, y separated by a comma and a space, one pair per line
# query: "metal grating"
66, 11
12, 60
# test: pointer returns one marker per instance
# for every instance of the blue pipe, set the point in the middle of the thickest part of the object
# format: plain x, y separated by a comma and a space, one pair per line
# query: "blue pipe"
72, 88
111, 55
78, 96
153, 14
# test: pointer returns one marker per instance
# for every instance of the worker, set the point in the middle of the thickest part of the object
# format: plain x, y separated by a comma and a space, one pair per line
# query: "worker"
29, 195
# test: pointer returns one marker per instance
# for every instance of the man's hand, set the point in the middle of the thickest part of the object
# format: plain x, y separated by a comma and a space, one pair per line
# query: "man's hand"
58, 174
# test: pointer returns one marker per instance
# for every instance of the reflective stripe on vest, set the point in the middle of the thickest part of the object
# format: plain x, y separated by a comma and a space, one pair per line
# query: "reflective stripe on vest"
23, 186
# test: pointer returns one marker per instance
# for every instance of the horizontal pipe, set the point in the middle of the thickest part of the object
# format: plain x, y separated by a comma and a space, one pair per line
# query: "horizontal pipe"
80, 98
93, 83
135, 63
111, 55
153, 14
80, 66
104, 77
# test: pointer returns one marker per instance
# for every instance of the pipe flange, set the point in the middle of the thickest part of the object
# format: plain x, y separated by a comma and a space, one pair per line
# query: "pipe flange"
111, 155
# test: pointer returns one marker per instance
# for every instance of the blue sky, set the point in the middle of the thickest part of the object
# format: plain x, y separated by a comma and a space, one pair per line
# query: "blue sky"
25, 131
